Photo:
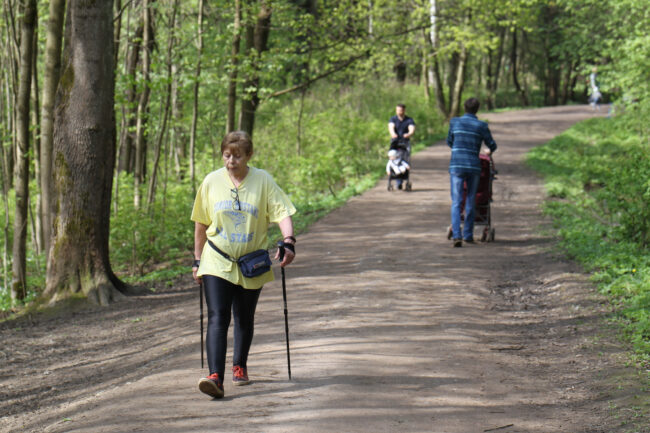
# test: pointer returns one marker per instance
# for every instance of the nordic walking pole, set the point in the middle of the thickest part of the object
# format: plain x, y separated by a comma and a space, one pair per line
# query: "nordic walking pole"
201, 317
284, 298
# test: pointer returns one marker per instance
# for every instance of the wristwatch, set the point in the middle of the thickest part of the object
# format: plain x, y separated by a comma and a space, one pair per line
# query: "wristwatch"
196, 263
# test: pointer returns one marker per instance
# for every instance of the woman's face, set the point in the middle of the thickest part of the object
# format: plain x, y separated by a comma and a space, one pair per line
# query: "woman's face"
234, 159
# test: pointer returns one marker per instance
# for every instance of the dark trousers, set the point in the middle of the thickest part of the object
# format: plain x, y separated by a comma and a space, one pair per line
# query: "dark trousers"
221, 297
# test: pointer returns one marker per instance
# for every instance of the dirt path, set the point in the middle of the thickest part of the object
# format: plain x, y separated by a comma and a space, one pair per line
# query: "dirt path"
392, 330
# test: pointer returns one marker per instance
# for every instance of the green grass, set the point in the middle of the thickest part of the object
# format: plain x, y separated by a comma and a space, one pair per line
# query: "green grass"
597, 176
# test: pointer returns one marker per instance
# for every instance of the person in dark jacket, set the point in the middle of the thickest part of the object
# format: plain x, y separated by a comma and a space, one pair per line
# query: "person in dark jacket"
466, 135
401, 128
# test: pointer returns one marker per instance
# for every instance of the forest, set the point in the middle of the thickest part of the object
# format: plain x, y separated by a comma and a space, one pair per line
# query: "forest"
111, 113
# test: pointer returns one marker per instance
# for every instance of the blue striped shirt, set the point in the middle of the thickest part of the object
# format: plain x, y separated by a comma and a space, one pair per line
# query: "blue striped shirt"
466, 133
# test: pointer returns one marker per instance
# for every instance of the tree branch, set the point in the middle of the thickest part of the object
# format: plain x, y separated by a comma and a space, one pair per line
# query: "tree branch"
341, 66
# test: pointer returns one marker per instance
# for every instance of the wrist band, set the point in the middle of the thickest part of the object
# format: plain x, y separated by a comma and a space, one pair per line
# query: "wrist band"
290, 238
290, 247
196, 263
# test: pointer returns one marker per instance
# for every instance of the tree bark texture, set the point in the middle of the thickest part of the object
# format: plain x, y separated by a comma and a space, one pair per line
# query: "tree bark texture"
459, 84
50, 81
84, 159
256, 43
19, 274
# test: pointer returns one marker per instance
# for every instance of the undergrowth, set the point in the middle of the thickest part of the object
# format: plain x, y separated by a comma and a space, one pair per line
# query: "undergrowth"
597, 176
339, 152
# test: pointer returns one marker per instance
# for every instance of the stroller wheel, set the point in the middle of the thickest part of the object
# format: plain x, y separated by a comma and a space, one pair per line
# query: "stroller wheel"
449, 232
484, 235
408, 186
390, 187
491, 238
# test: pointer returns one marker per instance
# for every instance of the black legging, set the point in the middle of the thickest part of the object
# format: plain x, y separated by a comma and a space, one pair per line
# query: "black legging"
220, 297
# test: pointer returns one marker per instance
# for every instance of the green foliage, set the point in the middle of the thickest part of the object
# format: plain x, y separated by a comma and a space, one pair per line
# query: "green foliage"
598, 177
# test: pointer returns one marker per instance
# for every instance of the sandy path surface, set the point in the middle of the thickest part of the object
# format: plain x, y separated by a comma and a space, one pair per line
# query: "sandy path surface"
392, 330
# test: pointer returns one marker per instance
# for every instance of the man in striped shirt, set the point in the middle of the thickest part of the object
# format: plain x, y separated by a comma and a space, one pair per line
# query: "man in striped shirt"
466, 134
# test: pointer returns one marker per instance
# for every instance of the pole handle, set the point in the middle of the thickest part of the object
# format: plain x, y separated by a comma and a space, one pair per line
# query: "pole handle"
281, 249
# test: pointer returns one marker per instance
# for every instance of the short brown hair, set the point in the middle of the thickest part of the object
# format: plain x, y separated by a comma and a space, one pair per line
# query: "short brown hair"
239, 140
472, 105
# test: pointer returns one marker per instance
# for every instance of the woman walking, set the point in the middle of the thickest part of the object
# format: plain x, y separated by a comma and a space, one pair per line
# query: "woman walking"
232, 211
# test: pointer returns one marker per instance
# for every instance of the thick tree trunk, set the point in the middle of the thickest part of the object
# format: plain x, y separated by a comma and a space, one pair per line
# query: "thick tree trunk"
457, 92
84, 159
452, 74
256, 38
19, 274
50, 81
234, 64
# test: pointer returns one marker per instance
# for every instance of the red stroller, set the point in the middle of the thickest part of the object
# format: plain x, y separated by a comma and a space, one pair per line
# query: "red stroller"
483, 214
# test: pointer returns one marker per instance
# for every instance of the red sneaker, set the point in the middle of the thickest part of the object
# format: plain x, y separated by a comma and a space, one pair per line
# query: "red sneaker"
212, 386
239, 376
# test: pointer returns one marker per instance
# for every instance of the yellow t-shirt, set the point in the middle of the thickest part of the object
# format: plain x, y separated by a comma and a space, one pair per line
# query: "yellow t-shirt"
238, 232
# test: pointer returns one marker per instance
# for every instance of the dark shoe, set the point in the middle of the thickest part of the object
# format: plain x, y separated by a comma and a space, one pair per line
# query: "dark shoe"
239, 376
399, 186
458, 243
212, 386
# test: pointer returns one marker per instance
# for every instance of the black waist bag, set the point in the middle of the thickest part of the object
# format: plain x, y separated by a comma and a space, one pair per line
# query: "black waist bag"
252, 264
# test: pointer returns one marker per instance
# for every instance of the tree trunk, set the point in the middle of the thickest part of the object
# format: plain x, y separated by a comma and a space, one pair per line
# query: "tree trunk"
567, 82
457, 92
493, 71
256, 38
19, 274
129, 120
426, 75
513, 65
195, 106
400, 71
151, 191
84, 159
143, 102
234, 64
37, 232
117, 30
452, 74
552, 60
178, 141
50, 81
13, 54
